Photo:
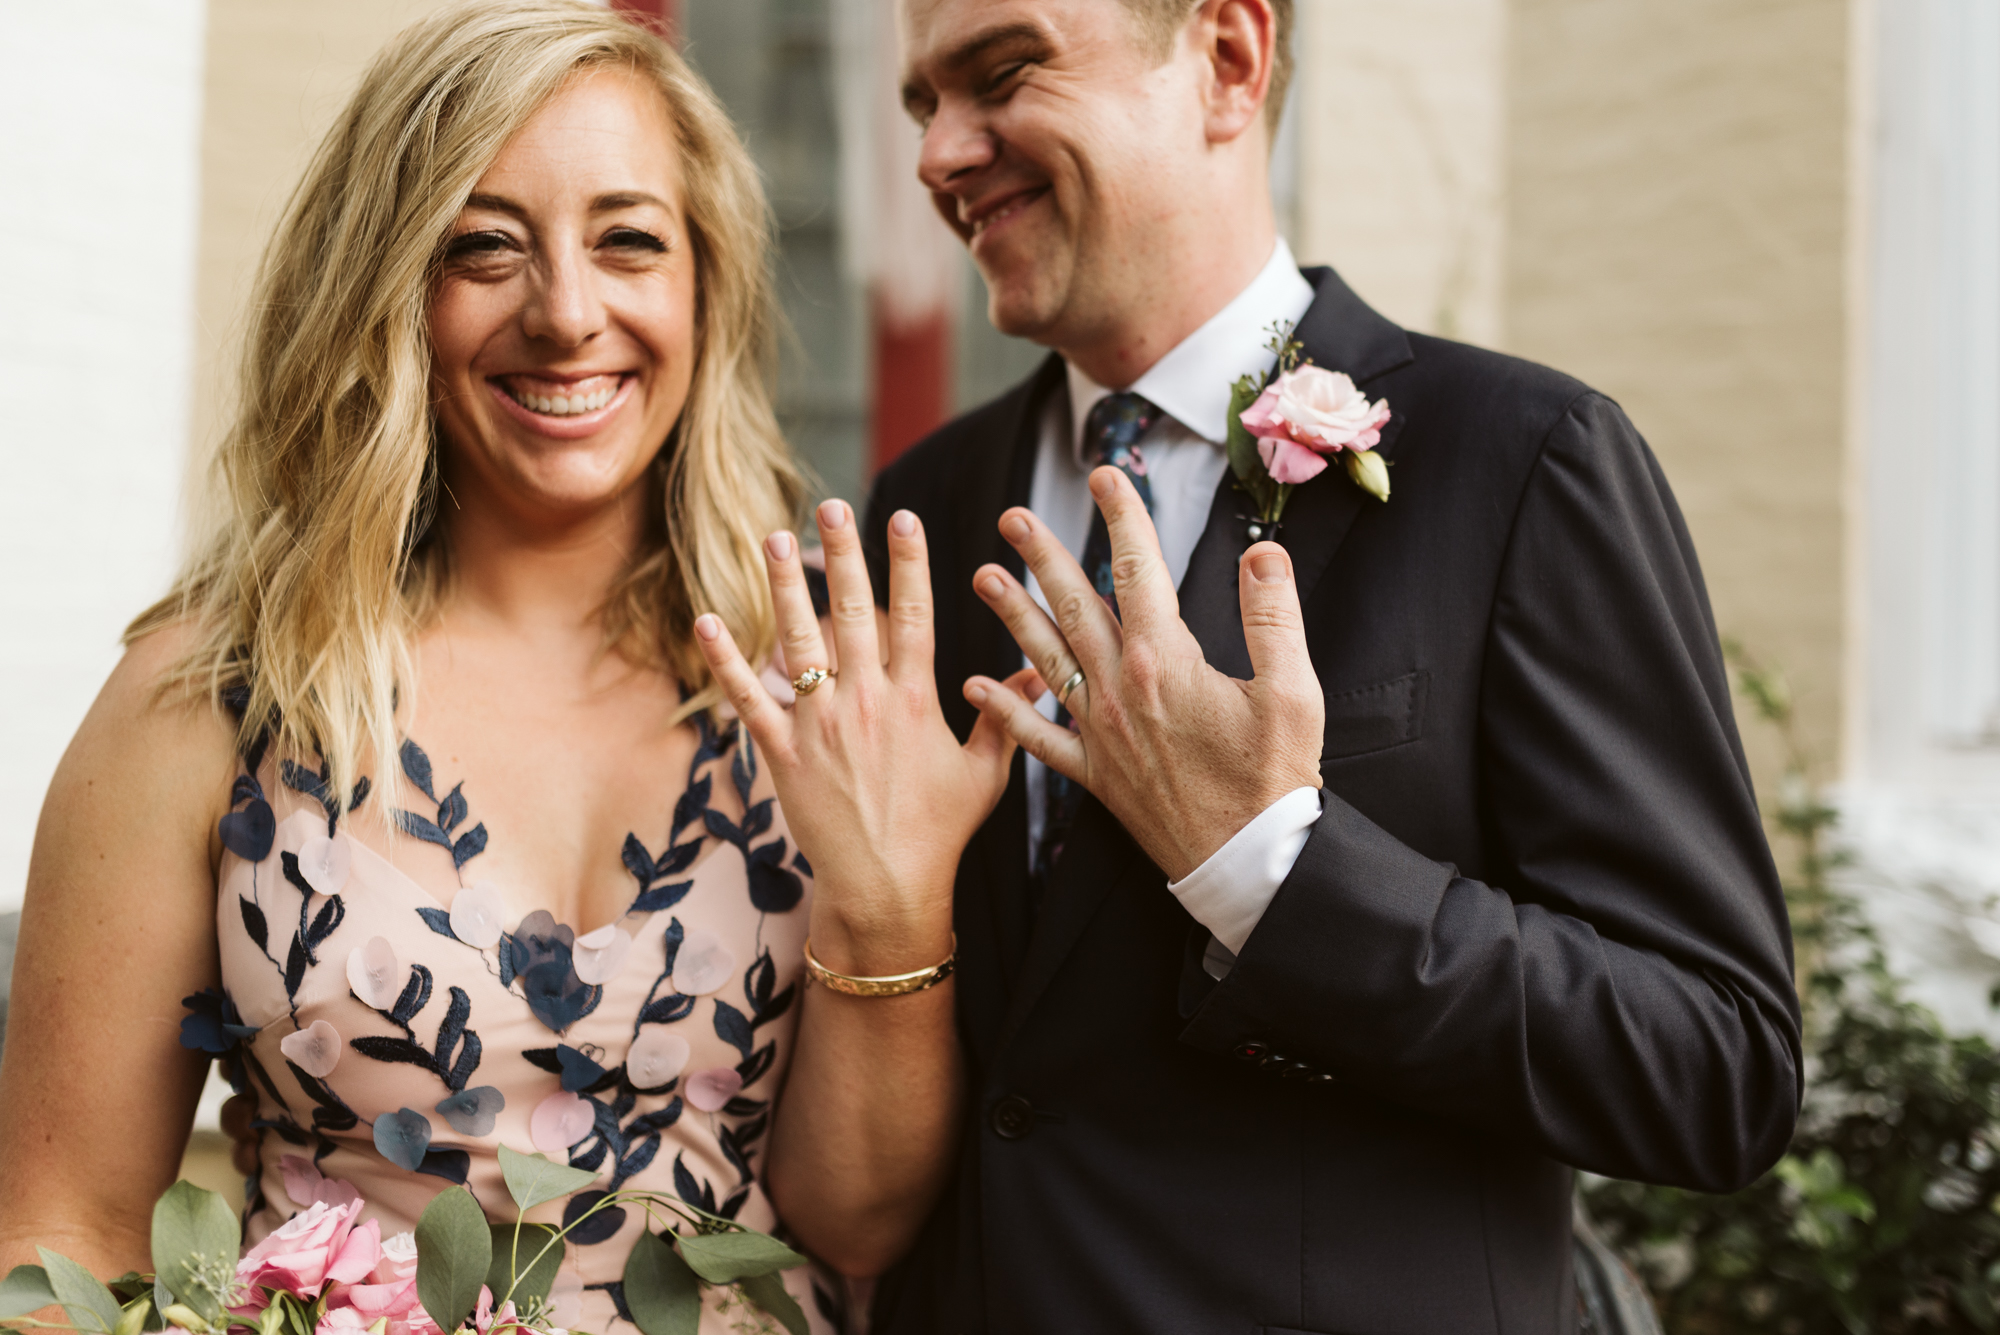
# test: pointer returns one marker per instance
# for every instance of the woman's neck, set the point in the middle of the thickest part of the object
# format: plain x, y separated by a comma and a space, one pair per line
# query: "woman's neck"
541, 580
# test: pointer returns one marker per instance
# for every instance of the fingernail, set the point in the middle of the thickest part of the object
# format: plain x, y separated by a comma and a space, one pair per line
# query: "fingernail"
993, 586
975, 693
1103, 482
708, 626
902, 523
1270, 568
779, 545
1015, 529
832, 514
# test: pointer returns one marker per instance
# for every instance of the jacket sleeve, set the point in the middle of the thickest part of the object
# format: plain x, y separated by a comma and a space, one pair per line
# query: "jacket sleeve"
1621, 996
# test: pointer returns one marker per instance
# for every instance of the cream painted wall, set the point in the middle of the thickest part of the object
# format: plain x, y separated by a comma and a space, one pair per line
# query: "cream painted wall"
1677, 199
279, 71
1401, 119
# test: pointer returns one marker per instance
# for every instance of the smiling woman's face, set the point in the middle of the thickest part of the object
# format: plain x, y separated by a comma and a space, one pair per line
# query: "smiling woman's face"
563, 323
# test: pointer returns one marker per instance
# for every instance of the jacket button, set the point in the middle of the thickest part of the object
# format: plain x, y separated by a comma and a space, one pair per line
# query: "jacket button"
1250, 1049
1323, 1078
1012, 1118
1274, 1062
1295, 1070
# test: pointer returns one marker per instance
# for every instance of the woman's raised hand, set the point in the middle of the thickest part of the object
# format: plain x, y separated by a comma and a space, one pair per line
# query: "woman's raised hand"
878, 792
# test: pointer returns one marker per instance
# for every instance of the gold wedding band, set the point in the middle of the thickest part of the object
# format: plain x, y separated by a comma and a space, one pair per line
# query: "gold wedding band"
1062, 692
808, 681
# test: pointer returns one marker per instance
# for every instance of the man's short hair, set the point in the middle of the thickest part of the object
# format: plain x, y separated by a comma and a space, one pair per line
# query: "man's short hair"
1160, 22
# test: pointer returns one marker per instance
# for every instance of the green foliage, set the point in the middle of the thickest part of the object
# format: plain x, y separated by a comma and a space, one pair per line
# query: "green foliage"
26, 1289
454, 1253
1884, 1216
660, 1289
88, 1304
533, 1179
525, 1260
195, 1242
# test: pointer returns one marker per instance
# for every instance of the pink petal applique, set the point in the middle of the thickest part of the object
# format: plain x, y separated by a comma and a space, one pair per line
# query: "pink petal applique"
1288, 461
314, 1049
710, 1090
559, 1121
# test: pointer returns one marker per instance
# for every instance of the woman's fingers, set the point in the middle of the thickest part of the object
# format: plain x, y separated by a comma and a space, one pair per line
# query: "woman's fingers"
769, 724
850, 598
910, 629
1043, 644
798, 625
990, 741
1007, 705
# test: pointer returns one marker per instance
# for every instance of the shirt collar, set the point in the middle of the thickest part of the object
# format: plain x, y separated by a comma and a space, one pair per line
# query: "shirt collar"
1191, 383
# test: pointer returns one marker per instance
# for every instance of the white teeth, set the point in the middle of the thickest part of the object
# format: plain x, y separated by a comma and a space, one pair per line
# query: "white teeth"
565, 405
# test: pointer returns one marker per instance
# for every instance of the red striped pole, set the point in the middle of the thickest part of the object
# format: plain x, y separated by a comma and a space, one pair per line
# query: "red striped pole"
910, 382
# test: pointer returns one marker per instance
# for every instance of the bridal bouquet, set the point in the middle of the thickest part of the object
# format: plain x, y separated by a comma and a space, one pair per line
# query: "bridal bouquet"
323, 1273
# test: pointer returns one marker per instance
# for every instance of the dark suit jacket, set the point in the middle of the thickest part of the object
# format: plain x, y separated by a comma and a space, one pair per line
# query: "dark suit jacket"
1537, 924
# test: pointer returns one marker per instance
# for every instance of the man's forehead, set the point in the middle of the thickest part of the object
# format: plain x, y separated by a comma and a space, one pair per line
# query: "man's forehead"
942, 35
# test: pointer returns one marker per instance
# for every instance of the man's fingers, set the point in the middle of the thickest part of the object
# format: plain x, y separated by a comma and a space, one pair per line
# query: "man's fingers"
911, 638
850, 598
799, 639
1273, 628
1147, 603
1058, 748
1086, 623
990, 739
769, 725
1044, 646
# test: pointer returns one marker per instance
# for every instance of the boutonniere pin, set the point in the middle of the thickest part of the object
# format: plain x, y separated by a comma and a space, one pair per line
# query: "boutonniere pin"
1284, 425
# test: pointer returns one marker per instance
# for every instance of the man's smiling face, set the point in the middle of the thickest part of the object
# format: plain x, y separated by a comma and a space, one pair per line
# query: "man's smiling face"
1054, 144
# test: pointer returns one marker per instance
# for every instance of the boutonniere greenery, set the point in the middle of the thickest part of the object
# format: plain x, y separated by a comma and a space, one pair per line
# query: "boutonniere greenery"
1285, 424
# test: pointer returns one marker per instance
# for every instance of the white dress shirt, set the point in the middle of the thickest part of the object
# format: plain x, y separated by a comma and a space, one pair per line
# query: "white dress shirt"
1185, 461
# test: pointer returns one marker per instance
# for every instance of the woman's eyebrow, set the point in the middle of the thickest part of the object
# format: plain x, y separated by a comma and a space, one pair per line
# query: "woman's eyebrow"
606, 203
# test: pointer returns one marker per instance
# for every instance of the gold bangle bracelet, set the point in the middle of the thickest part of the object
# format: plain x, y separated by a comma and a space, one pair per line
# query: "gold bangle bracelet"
890, 985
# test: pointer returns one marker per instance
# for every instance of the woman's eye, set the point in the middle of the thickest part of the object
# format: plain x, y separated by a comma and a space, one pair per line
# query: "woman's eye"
631, 238
476, 245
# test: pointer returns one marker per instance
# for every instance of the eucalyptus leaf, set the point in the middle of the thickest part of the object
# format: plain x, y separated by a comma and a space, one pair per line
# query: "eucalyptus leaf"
524, 1269
454, 1253
660, 1290
533, 1179
26, 1289
191, 1226
89, 1304
771, 1295
724, 1258
1244, 461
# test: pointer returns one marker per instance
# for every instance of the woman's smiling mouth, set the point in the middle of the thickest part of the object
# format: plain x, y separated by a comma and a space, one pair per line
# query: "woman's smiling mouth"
567, 408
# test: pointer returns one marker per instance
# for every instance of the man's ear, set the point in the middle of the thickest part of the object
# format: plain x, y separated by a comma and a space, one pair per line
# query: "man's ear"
1238, 42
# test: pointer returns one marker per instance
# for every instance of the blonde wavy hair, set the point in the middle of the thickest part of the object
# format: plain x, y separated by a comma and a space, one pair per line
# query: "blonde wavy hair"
325, 559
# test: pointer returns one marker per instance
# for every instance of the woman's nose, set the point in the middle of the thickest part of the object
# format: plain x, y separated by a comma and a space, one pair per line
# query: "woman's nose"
565, 308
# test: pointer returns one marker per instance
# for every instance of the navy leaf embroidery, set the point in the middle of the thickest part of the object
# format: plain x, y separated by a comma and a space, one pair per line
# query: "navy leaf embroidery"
295, 967
754, 1067
248, 833
733, 1028
661, 897
757, 819
637, 860
692, 804
639, 1159
677, 859
773, 888
453, 809
506, 960
417, 768
666, 1010
578, 1070
451, 1165
600, 1226
734, 1203
385, 1049
743, 769
469, 846
657, 1121
545, 1058
416, 996
697, 1194
419, 827
254, 924
799, 861
722, 827
439, 921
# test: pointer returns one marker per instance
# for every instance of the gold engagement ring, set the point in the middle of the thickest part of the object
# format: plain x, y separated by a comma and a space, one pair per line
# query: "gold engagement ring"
808, 681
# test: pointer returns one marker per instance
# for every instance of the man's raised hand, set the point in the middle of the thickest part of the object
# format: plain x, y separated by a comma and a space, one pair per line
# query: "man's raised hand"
1181, 754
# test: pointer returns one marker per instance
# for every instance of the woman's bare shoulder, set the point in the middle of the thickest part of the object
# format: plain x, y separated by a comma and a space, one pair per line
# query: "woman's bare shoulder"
148, 748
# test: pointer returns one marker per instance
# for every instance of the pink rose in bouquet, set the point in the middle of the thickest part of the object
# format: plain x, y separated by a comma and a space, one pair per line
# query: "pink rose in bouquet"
390, 1294
320, 1245
1307, 414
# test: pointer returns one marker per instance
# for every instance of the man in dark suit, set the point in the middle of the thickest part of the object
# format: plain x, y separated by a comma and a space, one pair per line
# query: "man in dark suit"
1370, 879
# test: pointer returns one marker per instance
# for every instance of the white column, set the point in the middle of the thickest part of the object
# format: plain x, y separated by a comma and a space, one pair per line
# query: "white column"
102, 105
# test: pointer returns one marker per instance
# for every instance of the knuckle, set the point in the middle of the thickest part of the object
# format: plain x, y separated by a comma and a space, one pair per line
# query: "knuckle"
911, 611
851, 608
1072, 607
1130, 567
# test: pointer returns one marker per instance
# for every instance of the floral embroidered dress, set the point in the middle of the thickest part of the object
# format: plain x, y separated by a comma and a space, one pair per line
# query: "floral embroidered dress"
398, 1023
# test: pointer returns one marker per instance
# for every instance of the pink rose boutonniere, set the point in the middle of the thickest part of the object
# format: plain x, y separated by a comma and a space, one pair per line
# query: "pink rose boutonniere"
1284, 430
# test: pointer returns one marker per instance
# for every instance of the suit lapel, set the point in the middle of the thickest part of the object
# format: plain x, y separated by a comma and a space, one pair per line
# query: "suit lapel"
1339, 332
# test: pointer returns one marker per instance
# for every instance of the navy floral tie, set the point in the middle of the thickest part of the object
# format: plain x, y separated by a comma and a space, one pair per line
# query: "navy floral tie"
1111, 435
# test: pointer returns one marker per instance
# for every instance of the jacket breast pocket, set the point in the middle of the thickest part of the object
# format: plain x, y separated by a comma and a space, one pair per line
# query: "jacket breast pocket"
1374, 718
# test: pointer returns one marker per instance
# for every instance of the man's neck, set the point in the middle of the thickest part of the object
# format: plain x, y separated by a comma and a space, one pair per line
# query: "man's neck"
1170, 295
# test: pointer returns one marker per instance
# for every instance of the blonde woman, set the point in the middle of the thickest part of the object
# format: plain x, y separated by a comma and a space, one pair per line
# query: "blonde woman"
421, 787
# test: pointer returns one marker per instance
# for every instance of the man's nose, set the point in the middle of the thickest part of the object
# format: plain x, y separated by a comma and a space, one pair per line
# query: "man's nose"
565, 307
956, 142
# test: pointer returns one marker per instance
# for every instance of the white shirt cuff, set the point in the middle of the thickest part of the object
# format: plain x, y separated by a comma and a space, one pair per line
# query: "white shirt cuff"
1228, 893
